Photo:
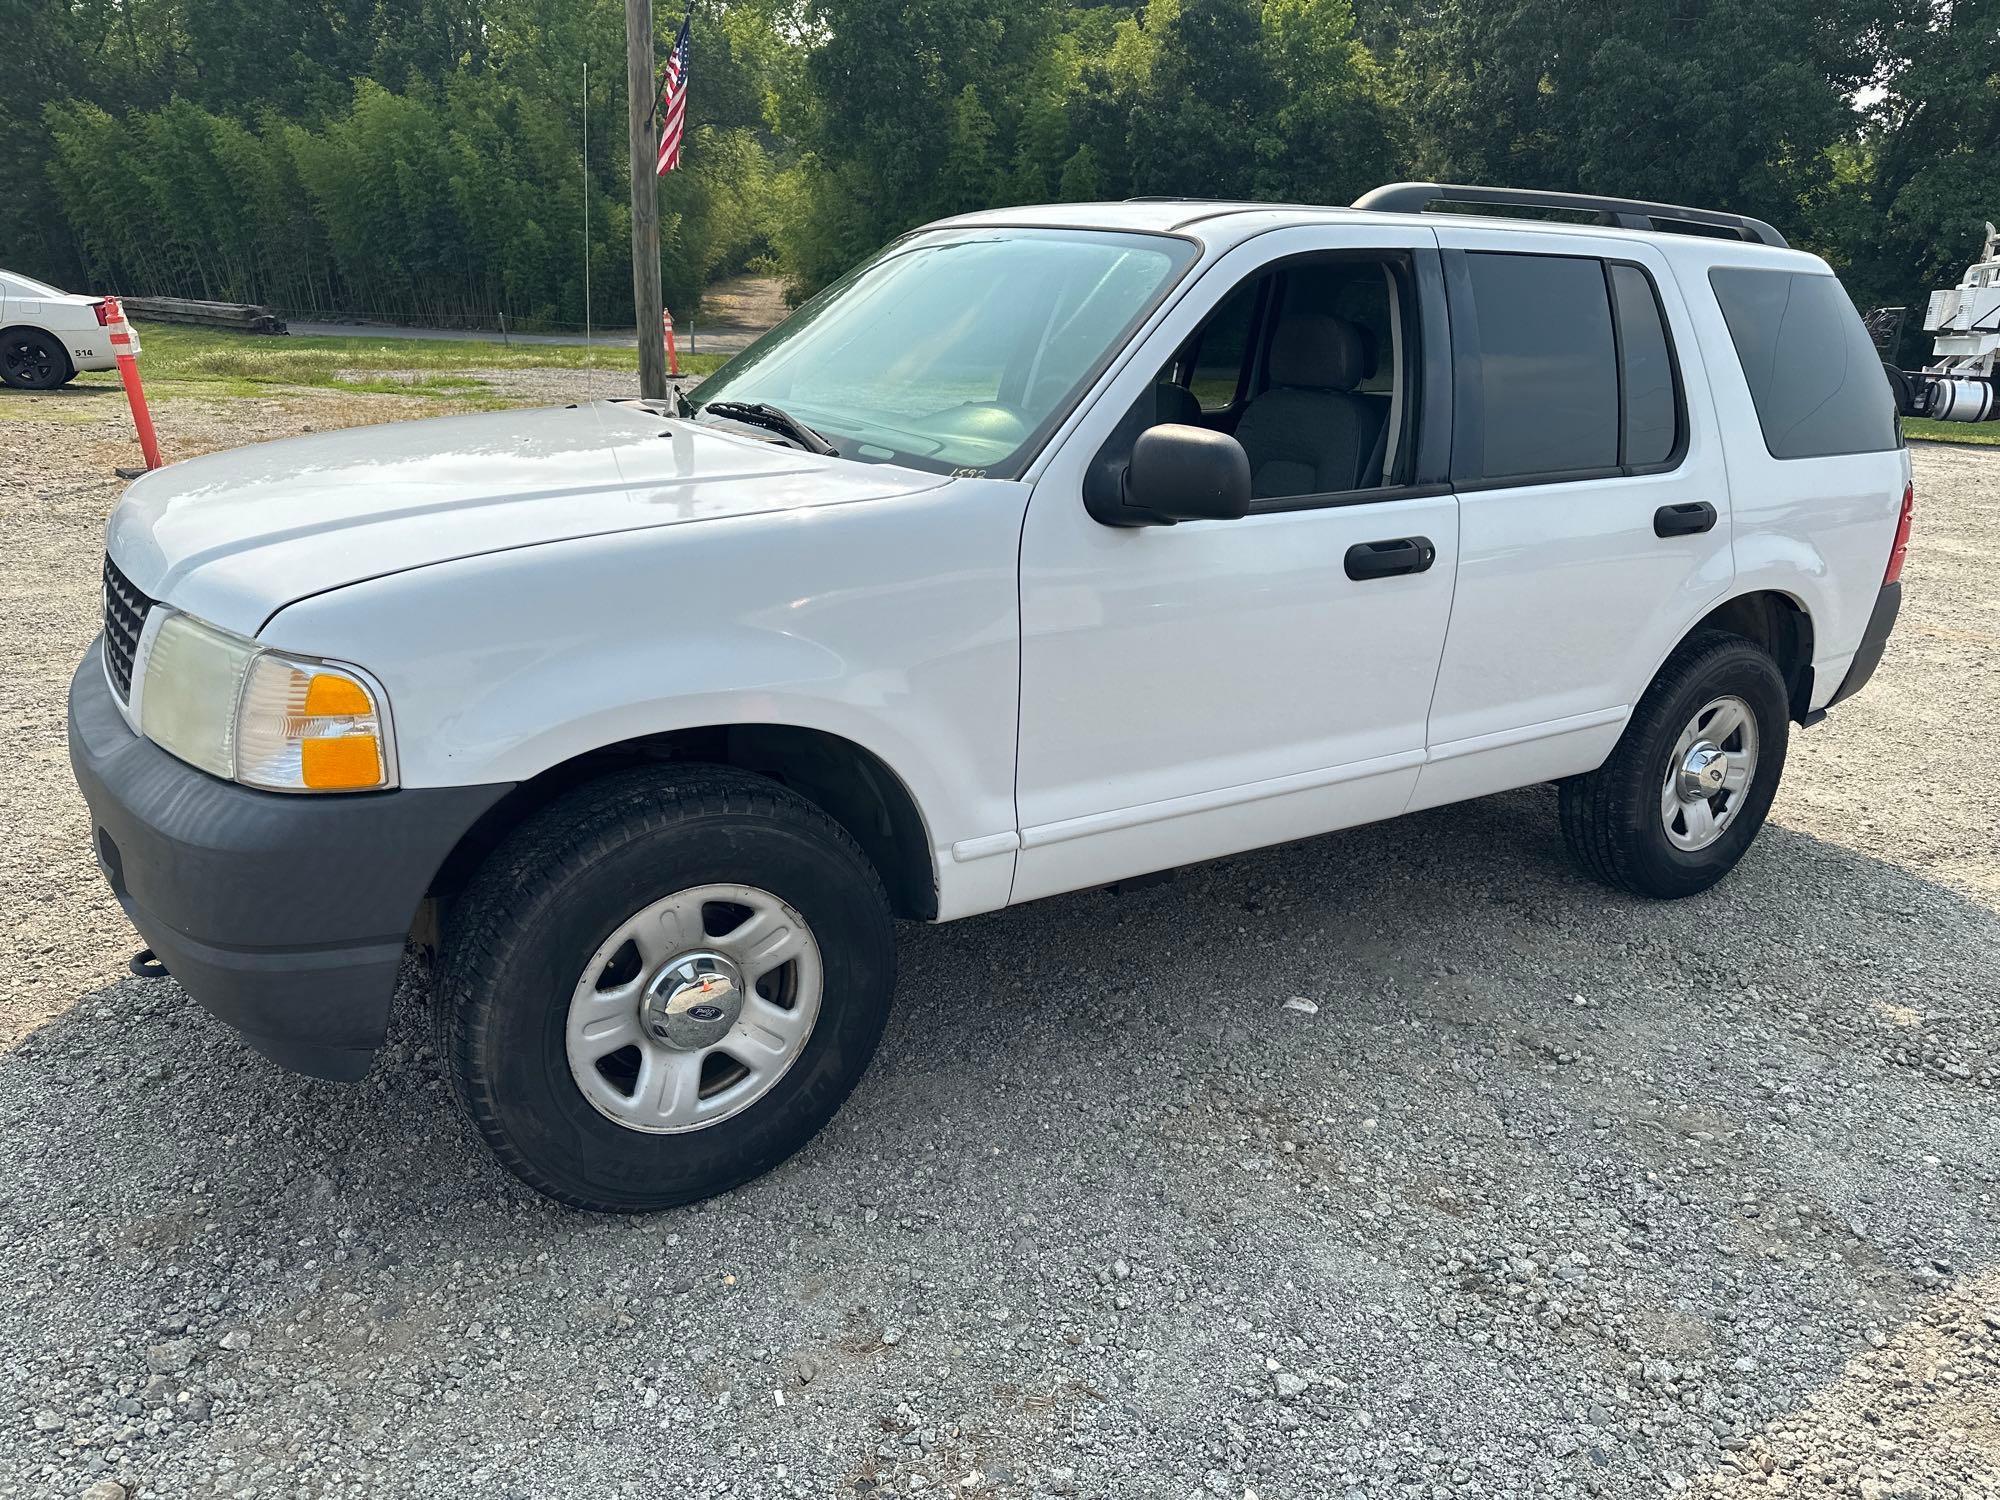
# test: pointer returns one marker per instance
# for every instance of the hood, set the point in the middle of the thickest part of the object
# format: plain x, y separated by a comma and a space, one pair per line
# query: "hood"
236, 536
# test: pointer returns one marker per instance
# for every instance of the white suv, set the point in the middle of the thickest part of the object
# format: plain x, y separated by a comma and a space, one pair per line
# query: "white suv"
1051, 547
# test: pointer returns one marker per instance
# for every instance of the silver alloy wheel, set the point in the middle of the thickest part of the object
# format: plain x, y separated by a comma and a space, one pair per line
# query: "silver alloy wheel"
694, 1008
1709, 774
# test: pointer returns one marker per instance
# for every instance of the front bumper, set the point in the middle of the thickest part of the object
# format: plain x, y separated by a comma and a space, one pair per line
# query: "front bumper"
284, 916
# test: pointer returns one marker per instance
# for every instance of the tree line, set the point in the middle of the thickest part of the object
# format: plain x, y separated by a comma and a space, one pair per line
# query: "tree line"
424, 158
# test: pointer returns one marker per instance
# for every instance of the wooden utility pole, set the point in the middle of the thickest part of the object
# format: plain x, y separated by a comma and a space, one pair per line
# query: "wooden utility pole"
640, 81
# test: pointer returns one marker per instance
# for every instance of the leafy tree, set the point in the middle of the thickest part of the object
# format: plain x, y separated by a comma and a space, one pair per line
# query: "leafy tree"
1333, 129
46, 46
1726, 103
1082, 179
1203, 124
422, 158
970, 180
1910, 197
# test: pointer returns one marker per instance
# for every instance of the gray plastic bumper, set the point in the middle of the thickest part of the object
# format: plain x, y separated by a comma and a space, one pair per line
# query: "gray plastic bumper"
1881, 620
284, 916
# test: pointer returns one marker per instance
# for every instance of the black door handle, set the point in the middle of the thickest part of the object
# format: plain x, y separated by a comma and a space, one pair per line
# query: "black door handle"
1406, 554
1683, 520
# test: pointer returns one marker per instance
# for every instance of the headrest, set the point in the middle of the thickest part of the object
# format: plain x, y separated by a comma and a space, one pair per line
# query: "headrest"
1312, 349
1175, 403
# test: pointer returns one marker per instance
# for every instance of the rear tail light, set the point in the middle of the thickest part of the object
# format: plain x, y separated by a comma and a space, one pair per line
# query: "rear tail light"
103, 311
1895, 571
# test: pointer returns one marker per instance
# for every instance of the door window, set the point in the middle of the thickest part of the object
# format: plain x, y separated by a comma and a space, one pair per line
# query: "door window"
1547, 376
1309, 366
1572, 371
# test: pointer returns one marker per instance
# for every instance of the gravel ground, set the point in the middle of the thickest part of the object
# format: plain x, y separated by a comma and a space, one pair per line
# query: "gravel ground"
1554, 1194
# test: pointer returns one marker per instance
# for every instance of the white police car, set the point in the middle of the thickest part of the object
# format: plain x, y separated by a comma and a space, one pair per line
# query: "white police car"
47, 336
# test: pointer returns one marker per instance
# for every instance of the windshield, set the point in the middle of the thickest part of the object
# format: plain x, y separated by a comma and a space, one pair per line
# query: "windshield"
959, 349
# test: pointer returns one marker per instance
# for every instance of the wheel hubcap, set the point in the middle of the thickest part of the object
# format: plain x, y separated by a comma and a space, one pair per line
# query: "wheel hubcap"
692, 1002
1709, 773
693, 1008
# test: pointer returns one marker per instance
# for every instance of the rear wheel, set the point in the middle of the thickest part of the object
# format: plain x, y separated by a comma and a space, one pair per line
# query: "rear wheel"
1678, 801
662, 985
31, 360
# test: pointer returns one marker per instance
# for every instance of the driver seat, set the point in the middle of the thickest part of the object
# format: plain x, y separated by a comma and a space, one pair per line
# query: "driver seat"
1311, 432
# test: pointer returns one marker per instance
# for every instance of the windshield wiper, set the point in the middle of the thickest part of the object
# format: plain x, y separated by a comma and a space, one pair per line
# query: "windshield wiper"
775, 419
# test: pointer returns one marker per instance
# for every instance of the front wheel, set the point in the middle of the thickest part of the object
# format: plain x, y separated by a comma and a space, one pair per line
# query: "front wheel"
662, 985
31, 360
1692, 777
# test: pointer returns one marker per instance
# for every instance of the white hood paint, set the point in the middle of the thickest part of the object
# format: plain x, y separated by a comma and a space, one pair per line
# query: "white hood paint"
234, 537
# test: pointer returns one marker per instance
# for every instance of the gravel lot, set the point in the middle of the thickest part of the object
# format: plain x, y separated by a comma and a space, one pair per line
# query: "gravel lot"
1555, 1194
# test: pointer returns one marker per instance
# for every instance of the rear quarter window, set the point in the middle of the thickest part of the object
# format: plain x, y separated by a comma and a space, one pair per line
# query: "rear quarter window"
1814, 376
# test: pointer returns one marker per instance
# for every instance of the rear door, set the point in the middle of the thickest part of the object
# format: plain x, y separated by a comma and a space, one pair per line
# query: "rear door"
1594, 517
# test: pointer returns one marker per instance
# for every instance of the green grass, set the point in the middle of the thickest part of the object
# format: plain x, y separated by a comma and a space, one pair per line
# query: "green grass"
176, 360
1978, 434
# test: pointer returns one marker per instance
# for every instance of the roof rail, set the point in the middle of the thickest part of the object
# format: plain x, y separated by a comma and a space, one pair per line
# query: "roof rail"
1621, 213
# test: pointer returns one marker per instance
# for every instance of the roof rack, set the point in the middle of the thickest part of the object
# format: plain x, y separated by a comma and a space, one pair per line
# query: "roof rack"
1620, 213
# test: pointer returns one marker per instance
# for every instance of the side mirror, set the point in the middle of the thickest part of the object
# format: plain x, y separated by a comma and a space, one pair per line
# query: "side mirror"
1182, 473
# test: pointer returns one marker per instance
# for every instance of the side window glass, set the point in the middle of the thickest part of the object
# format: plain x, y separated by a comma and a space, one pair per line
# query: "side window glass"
1646, 368
1548, 375
1319, 351
1329, 416
1814, 376
1218, 361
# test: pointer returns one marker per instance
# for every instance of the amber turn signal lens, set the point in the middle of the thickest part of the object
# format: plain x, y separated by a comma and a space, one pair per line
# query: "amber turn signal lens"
329, 695
350, 762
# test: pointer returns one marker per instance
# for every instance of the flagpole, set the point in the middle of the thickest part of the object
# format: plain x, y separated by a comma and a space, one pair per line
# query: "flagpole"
586, 227
640, 88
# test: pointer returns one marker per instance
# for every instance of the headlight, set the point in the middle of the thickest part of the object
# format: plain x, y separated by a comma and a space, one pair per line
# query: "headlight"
260, 717
187, 703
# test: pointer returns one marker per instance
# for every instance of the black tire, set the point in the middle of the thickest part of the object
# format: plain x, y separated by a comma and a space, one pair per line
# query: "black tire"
555, 891
1611, 818
31, 360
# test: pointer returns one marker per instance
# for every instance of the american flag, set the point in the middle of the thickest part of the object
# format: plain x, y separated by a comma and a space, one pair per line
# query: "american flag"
673, 100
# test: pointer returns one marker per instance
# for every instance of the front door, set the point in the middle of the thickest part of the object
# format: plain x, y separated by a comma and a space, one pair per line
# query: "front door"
1193, 690
1593, 503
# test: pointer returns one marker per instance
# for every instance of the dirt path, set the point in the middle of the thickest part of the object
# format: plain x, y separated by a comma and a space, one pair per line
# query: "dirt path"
736, 311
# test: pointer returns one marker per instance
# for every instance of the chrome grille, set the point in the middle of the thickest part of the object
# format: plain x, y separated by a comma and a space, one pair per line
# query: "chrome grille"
125, 611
